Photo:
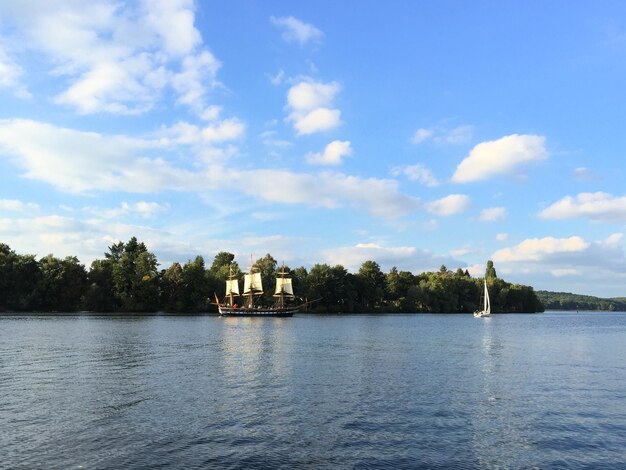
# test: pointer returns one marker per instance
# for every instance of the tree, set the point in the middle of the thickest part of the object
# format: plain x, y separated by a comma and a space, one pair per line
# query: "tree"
100, 295
135, 276
490, 272
63, 283
196, 286
371, 288
172, 292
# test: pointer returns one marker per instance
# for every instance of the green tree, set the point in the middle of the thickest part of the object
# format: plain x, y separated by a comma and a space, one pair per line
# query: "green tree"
196, 285
172, 288
371, 286
490, 272
100, 295
63, 283
135, 276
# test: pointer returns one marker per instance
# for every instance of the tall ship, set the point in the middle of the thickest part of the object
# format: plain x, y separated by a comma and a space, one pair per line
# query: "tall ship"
252, 290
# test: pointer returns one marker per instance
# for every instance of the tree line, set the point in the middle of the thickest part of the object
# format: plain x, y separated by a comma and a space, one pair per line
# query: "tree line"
127, 279
568, 301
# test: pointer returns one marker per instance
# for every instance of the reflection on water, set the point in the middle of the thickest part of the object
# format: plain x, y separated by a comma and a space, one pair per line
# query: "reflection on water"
398, 391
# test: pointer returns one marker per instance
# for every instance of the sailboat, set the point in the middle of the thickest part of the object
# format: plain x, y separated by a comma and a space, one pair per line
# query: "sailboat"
253, 288
486, 311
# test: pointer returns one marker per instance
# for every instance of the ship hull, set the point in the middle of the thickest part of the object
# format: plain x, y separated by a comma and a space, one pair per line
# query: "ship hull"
257, 312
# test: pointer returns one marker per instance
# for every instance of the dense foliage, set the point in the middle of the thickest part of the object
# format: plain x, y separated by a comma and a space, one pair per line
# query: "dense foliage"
567, 301
127, 279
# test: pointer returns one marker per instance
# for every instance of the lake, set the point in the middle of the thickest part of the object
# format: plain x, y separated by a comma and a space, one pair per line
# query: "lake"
359, 391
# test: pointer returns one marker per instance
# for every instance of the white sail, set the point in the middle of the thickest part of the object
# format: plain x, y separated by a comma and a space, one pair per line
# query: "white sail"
232, 287
283, 287
487, 301
486, 311
252, 284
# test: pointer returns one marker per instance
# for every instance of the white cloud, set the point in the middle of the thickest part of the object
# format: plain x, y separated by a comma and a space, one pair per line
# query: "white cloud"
10, 74
211, 113
421, 135
184, 133
310, 107
418, 173
572, 264
17, 205
277, 79
116, 57
407, 258
457, 136
492, 214
502, 237
597, 206
76, 161
318, 120
535, 249
296, 30
380, 197
502, 156
173, 21
449, 205
444, 136
143, 209
332, 155
197, 74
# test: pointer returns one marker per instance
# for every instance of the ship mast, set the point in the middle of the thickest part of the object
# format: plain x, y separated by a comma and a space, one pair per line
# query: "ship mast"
232, 287
283, 287
252, 285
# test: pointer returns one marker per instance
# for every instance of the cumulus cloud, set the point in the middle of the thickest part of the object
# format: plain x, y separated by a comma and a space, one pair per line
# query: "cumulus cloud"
535, 249
310, 104
117, 57
449, 205
418, 173
332, 155
502, 237
295, 30
573, 264
598, 206
502, 156
492, 214
407, 258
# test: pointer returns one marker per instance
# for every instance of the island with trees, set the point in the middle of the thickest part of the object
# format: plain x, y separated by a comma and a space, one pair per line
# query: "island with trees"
128, 279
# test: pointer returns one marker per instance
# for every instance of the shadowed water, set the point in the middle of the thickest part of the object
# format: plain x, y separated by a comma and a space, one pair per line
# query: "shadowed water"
397, 391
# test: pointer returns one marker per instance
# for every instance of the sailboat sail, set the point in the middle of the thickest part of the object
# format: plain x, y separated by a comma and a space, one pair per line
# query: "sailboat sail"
252, 284
283, 287
486, 311
487, 301
232, 287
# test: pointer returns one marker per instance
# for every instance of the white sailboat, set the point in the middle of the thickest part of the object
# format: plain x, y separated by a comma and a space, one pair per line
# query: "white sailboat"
486, 311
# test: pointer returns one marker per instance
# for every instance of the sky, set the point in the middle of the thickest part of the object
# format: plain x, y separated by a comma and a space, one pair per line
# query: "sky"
412, 133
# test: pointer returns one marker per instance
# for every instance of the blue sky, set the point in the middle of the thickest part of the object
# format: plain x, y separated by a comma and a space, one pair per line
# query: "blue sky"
412, 133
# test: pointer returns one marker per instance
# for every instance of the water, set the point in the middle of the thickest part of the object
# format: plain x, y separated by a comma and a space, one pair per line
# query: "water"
398, 391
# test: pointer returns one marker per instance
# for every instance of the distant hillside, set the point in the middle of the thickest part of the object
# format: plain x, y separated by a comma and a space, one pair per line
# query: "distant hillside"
568, 301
